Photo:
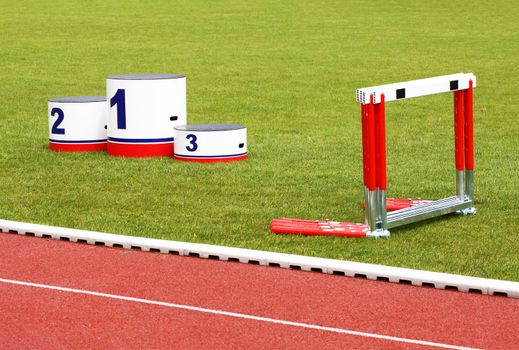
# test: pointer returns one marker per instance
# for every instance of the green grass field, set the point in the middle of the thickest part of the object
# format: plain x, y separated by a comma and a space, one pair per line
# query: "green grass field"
288, 70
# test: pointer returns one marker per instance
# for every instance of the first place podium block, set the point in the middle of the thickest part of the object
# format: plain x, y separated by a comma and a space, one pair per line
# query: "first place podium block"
143, 110
77, 123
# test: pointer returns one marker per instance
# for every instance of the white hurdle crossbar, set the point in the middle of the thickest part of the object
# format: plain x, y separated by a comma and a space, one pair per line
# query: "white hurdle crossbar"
416, 88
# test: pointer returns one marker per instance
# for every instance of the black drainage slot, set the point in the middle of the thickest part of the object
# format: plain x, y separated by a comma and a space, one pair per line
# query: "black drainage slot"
82, 241
339, 273
475, 291
174, 252
254, 262
66, 239
13, 231
361, 275
295, 267
384, 279
405, 282
451, 288
135, 247
234, 259
173, 118
428, 284
213, 257
154, 250
274, 265
99, 243
30, 234
194, 255
46, 236
500, 294
117, 245
316, 269
241, 145
106, 127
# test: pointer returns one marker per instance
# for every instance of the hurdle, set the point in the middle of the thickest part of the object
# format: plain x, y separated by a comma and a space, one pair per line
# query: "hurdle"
380, 213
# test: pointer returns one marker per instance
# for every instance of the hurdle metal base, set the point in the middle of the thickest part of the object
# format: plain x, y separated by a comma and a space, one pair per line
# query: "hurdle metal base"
342, 229
468, 211
318, 228
393, 204
289, 226
378, 234
427, 211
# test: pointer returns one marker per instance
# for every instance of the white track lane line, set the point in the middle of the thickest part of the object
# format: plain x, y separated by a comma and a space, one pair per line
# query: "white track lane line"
236, 315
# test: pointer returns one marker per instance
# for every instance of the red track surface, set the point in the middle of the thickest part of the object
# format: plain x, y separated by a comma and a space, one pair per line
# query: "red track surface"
34, 317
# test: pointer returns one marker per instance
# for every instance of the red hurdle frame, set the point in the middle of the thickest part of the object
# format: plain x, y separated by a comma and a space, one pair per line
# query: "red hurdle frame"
378, 220
374, 159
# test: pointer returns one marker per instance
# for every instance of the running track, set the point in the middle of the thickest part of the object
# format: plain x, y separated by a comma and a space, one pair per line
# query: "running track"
56, 294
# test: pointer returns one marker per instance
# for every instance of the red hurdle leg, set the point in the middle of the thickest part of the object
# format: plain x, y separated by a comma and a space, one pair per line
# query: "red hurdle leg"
380, 135
364, 112
459, 142
371, 147
364, 116
371, 176
469, 139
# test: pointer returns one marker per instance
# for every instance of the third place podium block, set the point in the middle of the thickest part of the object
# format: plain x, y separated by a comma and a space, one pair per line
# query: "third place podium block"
143, 110
210, 143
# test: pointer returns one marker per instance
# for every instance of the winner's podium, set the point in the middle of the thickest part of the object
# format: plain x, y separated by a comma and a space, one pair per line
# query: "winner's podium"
143, 109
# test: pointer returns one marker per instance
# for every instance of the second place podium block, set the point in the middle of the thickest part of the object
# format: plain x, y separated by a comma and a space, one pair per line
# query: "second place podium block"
77, 123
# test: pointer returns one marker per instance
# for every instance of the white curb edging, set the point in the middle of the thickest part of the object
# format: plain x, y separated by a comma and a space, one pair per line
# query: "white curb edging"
250, 256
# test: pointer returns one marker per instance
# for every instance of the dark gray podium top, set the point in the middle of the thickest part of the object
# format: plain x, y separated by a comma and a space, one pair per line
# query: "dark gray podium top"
78, 99
209, 127
145, 76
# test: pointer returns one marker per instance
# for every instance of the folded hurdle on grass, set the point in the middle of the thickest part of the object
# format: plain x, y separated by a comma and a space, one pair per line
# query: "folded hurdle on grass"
401, 211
